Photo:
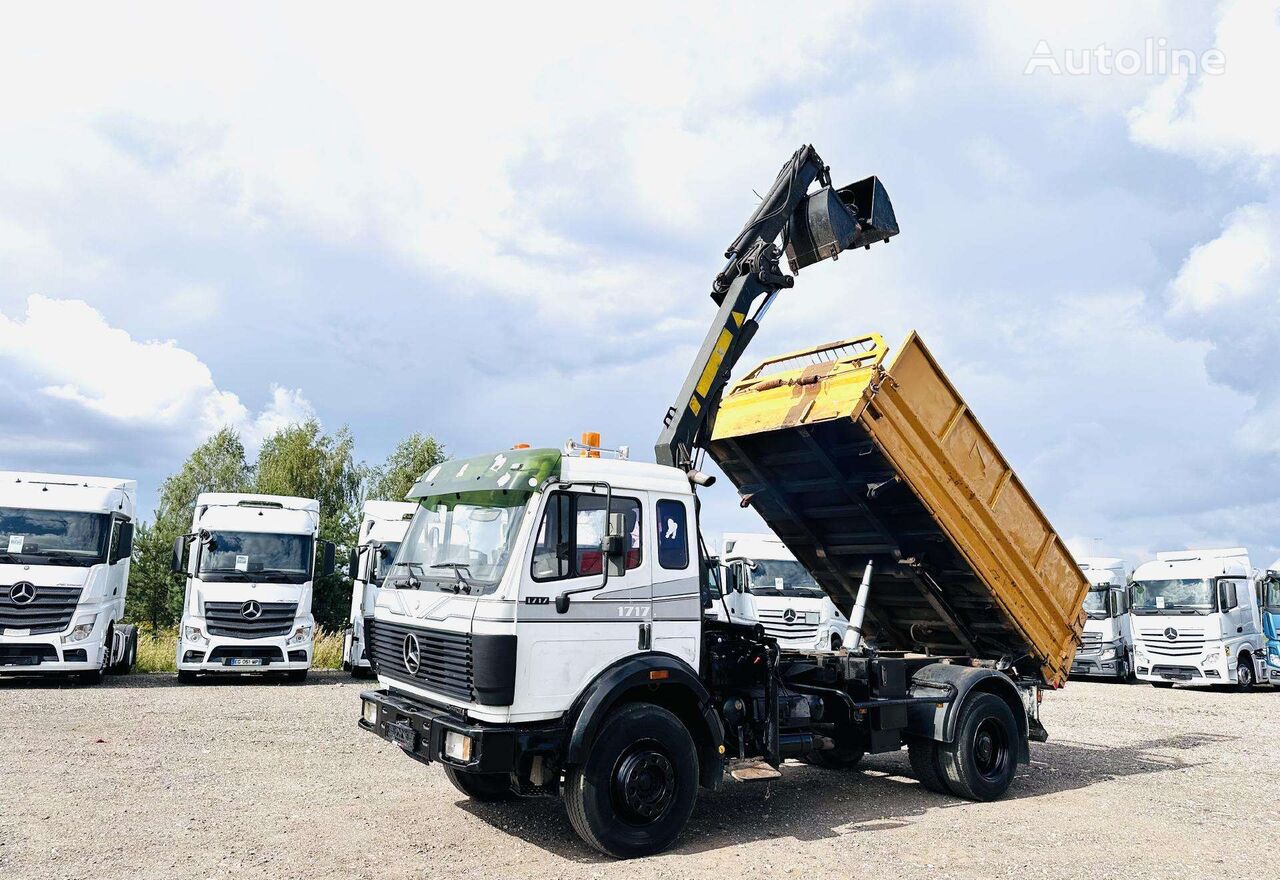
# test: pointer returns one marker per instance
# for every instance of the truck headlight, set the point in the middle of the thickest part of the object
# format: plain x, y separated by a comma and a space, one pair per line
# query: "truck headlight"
1108, 654
369, 712
80, 631
301, 634
194, 635
457, 746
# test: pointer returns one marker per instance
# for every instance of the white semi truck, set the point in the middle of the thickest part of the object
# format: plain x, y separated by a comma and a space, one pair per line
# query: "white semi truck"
382, 527
545, 628
1196, 619
1107, 646
786, 599
65, 543
249, 571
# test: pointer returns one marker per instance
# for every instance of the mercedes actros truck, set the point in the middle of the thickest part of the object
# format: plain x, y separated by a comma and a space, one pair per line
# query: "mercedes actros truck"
1107, 647
546, 629
65, 543
382, 527
250, 562
1196, 619
785, 598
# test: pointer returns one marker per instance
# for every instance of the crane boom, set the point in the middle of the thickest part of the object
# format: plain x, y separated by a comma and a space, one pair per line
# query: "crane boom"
812, 227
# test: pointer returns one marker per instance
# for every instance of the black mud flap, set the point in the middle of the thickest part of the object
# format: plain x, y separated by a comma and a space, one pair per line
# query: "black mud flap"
1036, 731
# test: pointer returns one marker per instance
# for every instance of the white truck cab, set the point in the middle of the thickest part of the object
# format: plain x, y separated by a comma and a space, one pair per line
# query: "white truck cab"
249, 572
1107, 646
65, 543
1196, 619
786, 599
383, 525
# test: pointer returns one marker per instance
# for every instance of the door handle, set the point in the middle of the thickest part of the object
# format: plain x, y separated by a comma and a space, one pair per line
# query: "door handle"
645, 642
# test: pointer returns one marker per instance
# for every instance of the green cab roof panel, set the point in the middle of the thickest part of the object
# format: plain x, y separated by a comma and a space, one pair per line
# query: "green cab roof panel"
519, 471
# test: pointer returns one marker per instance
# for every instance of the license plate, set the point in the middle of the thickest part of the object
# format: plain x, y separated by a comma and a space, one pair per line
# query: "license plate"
403, 735
243, 661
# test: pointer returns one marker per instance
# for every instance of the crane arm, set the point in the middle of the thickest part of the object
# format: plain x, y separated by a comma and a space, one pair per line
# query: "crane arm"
812, 227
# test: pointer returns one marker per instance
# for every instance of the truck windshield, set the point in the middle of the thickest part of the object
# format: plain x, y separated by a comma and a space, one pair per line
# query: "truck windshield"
1095, 604
1271, 595
1177, 596
458, 543
53, 537
783, 577
256, 556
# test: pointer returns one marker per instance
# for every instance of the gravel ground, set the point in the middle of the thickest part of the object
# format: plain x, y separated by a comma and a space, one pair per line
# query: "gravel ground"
147, 779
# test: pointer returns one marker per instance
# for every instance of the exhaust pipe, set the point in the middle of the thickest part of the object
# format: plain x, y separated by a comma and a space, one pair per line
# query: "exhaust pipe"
859, 612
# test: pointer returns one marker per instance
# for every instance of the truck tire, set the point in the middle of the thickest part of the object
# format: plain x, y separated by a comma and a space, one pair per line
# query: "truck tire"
635, 792
1162, 684
487, 787
95, 676
296, 676
361, 672
129, 654
1245, 676
981, 763
186, 677
924, 763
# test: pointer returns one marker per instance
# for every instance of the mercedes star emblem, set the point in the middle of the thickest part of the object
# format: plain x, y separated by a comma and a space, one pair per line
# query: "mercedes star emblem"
22, 593
412, 654
251, 610
789, 615
1171, 634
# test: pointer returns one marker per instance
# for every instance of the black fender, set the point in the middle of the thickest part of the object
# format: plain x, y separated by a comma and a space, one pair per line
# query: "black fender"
654, 677
937, 720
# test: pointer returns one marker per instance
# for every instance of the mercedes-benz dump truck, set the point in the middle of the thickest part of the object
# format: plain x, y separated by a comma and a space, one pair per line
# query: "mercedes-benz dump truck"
250, 564
785, 598
1106, 649
545, 630
382, 527
1196, 619
65, 543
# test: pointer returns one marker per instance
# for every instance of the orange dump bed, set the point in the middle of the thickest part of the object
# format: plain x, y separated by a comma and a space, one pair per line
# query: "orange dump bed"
853, 456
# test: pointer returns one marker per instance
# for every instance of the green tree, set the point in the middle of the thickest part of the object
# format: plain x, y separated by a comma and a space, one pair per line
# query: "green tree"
412, 457
216, 465
303, 461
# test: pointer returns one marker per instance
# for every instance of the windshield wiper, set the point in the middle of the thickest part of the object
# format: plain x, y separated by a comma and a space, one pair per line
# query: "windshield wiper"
228, 573
463, 583
64, 556
9, 557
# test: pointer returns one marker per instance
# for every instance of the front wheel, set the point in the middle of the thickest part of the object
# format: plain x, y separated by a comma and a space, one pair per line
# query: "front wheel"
297, 676
1162, 684
186, 677
980, 764
1245, 677
486, 787
635, 792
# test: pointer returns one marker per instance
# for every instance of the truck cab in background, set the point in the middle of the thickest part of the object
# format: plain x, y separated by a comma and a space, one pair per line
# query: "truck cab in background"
1269, 600
250, 564
1196, 619
382, 527
786, 600
65, 543
1107, 646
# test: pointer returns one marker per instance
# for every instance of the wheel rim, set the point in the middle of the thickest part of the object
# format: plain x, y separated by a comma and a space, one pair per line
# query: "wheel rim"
1243, 675
990, 749
643, 785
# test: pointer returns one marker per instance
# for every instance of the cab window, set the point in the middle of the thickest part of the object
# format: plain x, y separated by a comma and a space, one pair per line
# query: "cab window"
673, 536
572, 527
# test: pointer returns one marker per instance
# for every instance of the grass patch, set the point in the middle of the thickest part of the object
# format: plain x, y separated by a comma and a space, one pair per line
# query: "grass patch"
157, 651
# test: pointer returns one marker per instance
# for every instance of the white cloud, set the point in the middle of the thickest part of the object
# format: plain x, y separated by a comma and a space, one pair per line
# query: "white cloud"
71, 354
1235, 267
1228, 117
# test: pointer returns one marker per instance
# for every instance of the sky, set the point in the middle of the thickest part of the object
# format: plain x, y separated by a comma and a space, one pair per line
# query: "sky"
499, 224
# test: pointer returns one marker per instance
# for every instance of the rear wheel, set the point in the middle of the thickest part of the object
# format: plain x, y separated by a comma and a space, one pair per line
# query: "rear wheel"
481, 786
634, 793
980, 764
924, 763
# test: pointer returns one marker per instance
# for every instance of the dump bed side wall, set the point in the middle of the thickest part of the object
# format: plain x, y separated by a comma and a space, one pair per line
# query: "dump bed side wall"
936, 443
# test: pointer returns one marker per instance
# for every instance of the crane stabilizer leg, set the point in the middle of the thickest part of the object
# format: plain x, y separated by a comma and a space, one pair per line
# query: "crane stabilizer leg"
810, 228
859, 613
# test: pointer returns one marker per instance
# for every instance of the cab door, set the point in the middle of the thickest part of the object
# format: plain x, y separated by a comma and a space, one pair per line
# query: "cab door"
581, 608
677, 593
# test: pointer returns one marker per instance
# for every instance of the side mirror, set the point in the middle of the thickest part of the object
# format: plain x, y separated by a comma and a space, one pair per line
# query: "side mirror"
175, 564
329, 551
353, 563
614, 542
124, 547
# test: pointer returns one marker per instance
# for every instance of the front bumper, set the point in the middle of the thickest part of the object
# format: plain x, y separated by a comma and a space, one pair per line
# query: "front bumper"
45, 654
419, 730
218, 654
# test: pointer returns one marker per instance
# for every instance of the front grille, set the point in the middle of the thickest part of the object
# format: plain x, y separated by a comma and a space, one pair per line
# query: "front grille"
775, 625
1185, 644
27, 655
445, 657
227, 619
49, 612
1176, 671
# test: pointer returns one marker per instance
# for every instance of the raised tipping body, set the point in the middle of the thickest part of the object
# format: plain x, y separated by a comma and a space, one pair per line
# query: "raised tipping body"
850, 455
